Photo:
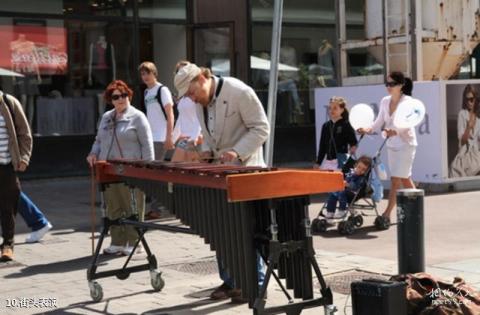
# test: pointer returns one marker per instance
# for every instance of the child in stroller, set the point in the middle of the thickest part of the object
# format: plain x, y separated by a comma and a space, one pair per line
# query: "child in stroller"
363, 190
354, 182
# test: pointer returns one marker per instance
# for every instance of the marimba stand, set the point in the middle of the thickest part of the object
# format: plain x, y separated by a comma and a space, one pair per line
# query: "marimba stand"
276, 249
156, 280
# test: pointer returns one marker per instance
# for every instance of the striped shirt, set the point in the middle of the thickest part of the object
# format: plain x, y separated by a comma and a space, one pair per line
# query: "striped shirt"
5, 157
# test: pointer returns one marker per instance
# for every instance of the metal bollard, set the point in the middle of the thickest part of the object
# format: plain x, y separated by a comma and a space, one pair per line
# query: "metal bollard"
410, 231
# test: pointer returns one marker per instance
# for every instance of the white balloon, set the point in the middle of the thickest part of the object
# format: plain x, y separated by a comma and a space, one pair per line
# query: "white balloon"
361, 116
409, 113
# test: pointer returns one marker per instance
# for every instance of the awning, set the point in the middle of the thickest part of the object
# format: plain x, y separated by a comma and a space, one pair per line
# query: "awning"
8, 73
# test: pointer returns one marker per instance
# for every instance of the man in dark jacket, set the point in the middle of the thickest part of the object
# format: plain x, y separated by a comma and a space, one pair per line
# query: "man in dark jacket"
15, 152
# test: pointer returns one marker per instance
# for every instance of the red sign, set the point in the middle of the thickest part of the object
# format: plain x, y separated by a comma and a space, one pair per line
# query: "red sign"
33, 49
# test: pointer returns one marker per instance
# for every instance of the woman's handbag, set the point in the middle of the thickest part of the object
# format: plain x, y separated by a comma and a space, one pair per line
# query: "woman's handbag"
466, 162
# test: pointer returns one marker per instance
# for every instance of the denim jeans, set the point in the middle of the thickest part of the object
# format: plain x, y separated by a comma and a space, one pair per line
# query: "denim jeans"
339, 196
34, 218
229, 280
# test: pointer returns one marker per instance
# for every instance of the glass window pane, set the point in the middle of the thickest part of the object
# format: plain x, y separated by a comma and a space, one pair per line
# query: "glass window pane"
90, 7
212, 49
162, 9
98, 7
33, 6
308, 48
61, 68
152, 48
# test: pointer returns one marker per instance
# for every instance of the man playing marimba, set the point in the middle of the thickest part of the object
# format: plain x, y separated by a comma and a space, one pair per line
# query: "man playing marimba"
234, 128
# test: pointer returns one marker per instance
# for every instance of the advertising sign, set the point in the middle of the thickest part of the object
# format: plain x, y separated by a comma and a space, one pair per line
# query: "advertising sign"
430, 165
463, 125
33, 50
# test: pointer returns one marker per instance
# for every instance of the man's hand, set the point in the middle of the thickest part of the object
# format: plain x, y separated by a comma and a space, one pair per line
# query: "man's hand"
22, 167
91, 159
205, 155
229, 156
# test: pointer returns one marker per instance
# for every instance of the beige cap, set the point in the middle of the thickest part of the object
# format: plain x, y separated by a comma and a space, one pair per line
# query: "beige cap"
184, 76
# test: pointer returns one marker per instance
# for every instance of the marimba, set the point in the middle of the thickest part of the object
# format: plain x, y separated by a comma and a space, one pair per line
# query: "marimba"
241, 212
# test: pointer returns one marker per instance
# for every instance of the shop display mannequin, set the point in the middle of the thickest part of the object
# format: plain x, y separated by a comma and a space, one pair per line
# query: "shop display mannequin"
101, 67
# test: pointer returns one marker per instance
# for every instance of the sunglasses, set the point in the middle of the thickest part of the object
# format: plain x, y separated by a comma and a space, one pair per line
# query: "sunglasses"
391, 83
470, 99
116, 97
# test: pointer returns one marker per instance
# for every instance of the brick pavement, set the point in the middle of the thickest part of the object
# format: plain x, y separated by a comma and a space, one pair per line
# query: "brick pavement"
56, 267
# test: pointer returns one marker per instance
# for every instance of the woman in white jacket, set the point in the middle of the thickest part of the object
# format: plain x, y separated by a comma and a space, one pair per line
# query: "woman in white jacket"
401, 143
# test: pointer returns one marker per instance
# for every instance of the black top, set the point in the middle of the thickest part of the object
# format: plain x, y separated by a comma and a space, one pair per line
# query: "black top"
335, 138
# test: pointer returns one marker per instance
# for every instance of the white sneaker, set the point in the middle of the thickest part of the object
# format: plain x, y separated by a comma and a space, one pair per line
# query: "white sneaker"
113, 250
37, 235
128, 249
340, 214
329, 215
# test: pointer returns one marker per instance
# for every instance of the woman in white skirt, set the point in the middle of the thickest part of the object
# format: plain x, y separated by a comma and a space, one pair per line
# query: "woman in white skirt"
401, 143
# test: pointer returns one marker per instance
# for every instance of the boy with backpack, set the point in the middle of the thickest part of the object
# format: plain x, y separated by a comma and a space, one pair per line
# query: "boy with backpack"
160, 112
159, 106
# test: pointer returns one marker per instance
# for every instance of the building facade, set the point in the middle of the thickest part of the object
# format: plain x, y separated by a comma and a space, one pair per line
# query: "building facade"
65, 52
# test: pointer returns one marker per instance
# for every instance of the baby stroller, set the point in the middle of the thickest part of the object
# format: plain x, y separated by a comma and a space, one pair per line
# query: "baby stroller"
359, 202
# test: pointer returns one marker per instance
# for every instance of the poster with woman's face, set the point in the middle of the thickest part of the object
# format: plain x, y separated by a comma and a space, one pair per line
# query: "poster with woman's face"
463, 129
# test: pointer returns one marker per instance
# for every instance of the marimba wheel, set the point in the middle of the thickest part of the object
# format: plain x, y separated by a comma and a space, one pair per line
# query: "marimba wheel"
96, 291
156, 280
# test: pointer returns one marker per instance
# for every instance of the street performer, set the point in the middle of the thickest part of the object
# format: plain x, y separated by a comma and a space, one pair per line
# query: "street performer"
234, 127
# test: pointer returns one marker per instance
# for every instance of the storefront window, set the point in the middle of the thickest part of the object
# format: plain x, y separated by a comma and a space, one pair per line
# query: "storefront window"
69, 7
61, 69
165, 45
98, 7
213, 49
307, 54
162, 9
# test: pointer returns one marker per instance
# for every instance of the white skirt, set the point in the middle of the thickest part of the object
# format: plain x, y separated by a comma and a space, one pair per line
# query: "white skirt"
400, 161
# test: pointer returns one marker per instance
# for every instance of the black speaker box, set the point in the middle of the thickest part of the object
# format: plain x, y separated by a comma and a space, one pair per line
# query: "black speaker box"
379, 297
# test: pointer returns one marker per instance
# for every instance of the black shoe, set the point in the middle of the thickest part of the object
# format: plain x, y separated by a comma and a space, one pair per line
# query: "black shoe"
221, 293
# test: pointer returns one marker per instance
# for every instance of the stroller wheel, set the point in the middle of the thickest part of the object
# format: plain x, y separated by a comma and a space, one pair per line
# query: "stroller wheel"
346, 228
319, 226
349, 228
382, 223
358, 221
